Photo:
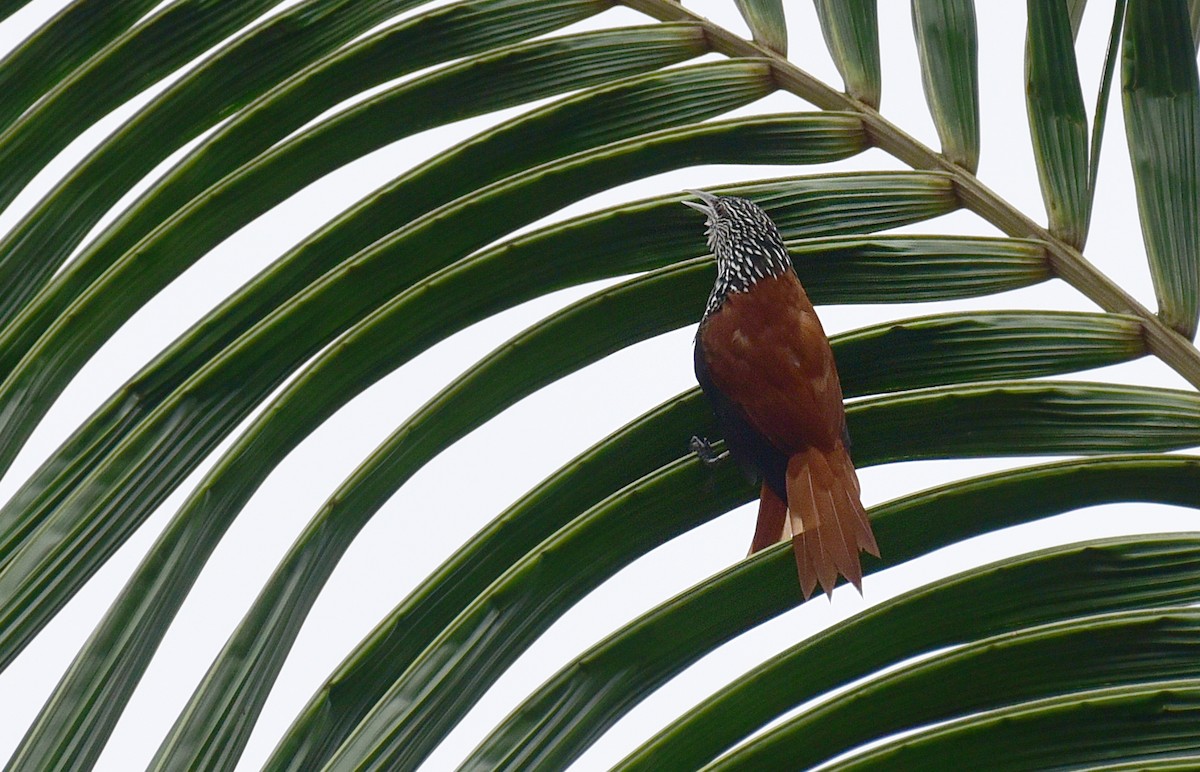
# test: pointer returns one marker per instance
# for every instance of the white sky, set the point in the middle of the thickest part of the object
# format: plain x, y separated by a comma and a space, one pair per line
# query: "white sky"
422, 525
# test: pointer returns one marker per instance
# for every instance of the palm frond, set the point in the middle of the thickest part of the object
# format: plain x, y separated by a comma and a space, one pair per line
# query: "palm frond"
285, 96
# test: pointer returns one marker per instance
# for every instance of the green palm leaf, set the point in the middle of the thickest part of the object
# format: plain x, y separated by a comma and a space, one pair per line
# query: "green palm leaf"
174, 225
286, 96
939, 615
1057, 120
948, 48
851, 30
571, 710
767, 23
139, 57
56, 49
432, 307
1079, 655
471, 653
1162, 105
1125, 722
90, 513
588, 328
1098, 120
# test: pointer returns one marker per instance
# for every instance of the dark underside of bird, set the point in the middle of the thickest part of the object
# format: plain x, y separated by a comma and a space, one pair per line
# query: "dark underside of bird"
766, 367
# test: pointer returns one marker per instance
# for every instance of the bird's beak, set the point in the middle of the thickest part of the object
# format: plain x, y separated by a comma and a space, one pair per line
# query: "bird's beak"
708, 199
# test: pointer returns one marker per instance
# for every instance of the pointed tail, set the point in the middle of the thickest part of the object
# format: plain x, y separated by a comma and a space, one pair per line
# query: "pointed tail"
773, 526
824, 517
828, 521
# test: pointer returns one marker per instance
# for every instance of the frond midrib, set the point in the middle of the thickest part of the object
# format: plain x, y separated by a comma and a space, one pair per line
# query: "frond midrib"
1065, 261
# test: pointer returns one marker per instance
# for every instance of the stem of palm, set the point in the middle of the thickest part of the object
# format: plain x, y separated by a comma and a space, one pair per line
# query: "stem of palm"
1065, 261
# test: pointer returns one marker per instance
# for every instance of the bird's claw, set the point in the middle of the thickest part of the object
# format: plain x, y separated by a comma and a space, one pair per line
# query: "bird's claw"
705, 451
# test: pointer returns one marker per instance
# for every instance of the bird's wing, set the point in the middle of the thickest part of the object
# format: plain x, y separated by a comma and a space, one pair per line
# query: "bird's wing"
767, 354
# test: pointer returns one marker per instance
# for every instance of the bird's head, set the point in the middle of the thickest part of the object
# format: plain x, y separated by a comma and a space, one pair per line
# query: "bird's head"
745, 241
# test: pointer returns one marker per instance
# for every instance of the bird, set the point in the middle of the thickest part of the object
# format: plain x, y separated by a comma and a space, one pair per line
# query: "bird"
765, 365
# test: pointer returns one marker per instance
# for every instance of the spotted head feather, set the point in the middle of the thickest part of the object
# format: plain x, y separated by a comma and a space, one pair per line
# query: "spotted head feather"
746, 243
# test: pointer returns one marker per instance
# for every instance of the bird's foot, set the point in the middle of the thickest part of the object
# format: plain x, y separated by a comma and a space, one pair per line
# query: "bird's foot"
706, 452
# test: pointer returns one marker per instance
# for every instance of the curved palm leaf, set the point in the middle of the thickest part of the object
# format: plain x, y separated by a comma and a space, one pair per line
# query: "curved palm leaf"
418, 317
57, 48
419, 259
589, 329
949, 612
124, 67
227, 81
575, 706
41, 575
1139, 722
1079, 655
472, 652
40, 341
